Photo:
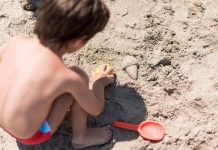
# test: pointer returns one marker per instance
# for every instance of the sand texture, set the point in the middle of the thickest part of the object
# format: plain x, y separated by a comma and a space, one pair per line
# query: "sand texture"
176, 45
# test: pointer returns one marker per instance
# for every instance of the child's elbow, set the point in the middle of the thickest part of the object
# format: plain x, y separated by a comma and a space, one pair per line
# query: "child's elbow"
97, 112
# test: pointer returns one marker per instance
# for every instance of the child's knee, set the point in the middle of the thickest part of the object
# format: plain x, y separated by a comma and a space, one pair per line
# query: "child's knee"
81, 73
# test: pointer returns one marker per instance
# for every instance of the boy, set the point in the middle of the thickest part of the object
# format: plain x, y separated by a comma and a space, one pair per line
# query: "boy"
37, 89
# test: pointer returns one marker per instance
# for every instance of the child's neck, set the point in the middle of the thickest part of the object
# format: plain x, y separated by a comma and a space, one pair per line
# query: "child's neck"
54, 48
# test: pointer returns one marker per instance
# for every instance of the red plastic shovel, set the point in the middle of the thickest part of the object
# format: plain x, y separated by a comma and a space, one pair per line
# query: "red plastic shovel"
150, 130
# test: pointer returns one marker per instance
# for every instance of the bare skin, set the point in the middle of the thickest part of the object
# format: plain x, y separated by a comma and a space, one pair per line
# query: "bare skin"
35, 86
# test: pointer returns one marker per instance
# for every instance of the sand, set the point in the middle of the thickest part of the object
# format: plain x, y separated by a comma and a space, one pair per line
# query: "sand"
176, 45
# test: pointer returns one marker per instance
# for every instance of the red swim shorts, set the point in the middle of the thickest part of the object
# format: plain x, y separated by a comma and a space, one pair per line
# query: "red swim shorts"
43, 134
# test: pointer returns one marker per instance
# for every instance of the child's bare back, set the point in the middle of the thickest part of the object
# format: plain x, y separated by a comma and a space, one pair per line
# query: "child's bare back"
37, 89
30, 80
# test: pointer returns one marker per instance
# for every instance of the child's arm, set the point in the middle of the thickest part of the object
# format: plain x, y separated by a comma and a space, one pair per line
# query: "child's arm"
91, 102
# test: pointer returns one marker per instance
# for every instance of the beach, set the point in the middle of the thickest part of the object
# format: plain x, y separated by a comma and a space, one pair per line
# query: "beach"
176, 45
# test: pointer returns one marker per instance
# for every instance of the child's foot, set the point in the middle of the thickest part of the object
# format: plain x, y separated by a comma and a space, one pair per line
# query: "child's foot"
93, 136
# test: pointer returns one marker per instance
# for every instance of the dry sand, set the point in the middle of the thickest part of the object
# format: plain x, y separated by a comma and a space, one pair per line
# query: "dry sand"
176, 44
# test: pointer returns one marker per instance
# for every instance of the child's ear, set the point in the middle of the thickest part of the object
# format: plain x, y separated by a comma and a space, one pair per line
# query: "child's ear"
85, 38
74, 45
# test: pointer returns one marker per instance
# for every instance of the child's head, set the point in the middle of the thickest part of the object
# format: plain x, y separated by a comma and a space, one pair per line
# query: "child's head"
60, 22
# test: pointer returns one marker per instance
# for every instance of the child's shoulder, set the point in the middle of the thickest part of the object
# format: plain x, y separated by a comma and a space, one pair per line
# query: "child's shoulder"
13, 41
18, 37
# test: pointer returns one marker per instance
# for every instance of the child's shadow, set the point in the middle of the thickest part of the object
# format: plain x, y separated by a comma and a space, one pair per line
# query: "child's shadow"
122, 103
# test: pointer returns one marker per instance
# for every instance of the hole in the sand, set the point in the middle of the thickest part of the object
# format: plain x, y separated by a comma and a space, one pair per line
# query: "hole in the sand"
169, 91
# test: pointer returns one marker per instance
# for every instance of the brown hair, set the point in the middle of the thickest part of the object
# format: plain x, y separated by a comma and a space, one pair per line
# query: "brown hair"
60, 21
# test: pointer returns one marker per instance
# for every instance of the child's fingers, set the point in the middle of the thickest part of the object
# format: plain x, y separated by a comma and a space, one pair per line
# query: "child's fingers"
111, 77
102, 68
109, 70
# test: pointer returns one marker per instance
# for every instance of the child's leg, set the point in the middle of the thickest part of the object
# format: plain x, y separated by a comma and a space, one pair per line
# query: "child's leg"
58, 111
83, 136
62, 104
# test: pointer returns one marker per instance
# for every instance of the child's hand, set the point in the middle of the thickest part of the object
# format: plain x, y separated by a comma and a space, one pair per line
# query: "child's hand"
104, 75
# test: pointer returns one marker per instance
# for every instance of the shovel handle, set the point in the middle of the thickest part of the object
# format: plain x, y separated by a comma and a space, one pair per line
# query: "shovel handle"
124, 125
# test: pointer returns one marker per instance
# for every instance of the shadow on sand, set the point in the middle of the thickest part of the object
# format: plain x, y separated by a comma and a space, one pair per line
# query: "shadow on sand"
122, 103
